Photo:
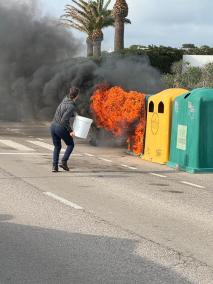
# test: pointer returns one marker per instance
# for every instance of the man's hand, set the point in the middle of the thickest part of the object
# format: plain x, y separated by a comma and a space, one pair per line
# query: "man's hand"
72, 134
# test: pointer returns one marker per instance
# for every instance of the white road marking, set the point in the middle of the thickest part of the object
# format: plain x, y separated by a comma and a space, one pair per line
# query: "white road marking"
157, 175
33, 154
105, 160
62, 200
40, 139
14, 129
19, 153
43, 145
192, 184
132, 168
128, 167
16, 145
89, 155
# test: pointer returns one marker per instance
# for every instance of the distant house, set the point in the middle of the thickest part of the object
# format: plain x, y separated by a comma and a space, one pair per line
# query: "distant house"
198, 60
188, 46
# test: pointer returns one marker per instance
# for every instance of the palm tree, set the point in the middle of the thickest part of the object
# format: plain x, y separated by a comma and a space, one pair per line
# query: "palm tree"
79, 18
89, 17
102, 18
120, 12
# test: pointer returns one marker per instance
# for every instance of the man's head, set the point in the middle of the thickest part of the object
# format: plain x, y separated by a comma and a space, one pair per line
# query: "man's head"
73, 93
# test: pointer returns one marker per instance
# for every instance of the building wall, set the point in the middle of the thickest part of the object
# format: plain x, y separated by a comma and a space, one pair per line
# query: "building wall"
198, 60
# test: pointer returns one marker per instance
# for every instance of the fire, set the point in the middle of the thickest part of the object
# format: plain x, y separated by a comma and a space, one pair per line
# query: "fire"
122, 113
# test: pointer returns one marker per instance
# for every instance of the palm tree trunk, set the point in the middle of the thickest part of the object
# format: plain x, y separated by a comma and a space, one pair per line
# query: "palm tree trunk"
97, 48
89, 47
119, 34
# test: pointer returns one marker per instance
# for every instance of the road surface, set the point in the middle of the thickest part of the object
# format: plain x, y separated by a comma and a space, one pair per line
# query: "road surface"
112, 219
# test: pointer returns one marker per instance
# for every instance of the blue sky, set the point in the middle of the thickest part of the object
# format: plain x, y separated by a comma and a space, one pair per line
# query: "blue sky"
159, 22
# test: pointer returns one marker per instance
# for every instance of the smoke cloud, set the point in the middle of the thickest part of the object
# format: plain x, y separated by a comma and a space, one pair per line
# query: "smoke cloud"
38, 64
30, 48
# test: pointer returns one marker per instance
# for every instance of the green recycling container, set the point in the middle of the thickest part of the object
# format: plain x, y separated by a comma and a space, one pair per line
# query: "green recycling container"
191, 146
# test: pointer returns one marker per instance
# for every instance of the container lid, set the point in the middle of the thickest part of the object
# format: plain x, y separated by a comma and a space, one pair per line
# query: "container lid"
200, 93
168, 94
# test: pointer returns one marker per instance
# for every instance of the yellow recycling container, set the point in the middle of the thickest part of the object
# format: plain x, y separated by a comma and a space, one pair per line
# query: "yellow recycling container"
158, 129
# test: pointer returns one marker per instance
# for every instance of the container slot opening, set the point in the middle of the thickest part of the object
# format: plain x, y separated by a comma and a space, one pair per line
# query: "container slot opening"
161, 107
151, 107
187, 95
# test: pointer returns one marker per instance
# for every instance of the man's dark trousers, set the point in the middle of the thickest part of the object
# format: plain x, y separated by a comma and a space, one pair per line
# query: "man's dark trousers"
59, 133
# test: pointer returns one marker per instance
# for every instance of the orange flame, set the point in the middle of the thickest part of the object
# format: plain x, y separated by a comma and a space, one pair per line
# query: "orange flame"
122, 113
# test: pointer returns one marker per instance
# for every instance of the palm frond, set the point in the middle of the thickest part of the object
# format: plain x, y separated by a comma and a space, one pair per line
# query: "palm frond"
72, 9
75, 26
127, 21
81, 4
88, 16
107, 4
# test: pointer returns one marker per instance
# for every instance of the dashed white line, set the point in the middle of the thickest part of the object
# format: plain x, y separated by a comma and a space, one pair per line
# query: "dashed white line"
27, 154
89, 155
16, 145
128, 167
157, 175
62, 200
105, 160
125, 166
43, 145
192, 184
14, 129
132, 168
31, 154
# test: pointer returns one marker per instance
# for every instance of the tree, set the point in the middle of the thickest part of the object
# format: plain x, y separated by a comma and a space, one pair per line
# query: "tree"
102, 18
161, 57
89, 17
207, 75
79, 18
205, 47
189, 77
120, 12
188, 45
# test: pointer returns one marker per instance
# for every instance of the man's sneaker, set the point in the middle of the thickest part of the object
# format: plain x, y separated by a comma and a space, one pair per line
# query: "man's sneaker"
55, 169
64, 166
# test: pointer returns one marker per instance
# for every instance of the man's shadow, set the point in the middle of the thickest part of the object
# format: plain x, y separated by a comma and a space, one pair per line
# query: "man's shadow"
39, 255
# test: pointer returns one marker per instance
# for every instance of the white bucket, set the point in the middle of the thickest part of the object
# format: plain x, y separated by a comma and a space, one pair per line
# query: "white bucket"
81, 126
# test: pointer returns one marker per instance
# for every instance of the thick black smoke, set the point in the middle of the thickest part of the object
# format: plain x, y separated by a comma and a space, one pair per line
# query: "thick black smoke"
30, 48
37, 66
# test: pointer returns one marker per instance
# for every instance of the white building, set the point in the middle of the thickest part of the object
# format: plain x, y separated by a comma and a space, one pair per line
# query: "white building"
198, 60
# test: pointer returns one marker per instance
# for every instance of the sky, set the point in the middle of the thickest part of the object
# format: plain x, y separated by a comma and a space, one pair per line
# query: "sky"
156, 22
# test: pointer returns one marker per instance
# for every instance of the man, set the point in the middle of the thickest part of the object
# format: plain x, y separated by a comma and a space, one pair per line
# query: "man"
61, 129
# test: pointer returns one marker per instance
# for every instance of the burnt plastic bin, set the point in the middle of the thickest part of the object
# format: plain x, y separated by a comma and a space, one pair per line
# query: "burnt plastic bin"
192, 132
132, 141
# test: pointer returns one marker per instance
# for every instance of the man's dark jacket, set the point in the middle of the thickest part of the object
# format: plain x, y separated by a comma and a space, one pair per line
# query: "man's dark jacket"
65, 113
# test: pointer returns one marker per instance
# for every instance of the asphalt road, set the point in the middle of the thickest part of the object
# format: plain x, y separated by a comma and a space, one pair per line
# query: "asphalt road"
112, 219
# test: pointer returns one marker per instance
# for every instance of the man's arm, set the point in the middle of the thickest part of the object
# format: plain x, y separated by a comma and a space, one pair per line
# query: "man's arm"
68, 114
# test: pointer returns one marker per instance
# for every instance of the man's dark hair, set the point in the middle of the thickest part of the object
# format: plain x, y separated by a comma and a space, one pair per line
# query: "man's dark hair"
73, 93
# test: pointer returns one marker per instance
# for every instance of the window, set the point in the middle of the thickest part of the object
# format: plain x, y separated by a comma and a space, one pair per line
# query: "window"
151, 107
161, 107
